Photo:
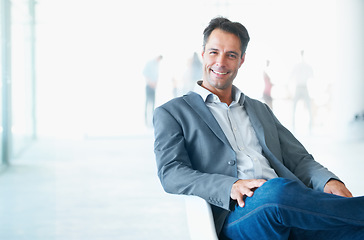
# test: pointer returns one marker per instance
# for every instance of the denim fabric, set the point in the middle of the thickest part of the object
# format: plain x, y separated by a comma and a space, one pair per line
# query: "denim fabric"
283, 209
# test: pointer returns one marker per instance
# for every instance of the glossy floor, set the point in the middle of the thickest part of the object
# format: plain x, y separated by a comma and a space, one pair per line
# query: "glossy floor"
108, 189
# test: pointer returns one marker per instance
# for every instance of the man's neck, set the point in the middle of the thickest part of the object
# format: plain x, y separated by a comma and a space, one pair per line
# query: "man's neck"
226, 99
225, 95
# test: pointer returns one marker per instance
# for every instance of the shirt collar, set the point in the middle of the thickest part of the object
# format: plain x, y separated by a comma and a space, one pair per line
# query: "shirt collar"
208, 96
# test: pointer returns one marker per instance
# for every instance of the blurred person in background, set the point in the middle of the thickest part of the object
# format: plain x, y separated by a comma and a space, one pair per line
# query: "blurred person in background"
267, 92
151, 75
193, 72
300, 75
187, 79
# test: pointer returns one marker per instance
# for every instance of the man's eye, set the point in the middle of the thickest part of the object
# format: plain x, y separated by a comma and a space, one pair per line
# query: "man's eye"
232, 56
213, 53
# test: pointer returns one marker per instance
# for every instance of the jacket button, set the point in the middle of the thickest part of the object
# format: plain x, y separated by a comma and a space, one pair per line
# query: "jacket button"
231, 162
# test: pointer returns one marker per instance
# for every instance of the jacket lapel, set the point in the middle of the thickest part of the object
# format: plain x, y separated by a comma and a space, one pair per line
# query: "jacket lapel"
199, 106
276, 164
259, 130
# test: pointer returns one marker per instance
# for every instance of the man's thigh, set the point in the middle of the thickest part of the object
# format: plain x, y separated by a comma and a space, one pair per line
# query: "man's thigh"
280, 205
258, 218
350, 233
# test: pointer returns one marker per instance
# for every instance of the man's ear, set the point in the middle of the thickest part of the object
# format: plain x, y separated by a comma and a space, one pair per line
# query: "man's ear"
242, 60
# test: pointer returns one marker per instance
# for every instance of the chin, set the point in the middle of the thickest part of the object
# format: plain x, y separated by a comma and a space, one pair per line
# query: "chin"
222, 85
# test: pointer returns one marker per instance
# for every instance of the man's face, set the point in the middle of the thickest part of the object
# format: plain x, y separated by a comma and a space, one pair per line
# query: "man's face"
221, 60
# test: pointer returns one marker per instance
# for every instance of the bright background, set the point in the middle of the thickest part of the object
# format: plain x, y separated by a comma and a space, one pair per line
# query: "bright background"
90, 56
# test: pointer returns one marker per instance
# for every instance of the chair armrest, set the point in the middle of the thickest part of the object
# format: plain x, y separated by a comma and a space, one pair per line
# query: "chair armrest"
200, 220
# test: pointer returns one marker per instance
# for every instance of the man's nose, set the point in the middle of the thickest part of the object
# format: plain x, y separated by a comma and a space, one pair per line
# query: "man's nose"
221, 60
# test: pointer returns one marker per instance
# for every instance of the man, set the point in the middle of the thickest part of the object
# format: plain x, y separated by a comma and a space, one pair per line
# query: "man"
151, 74
301, 74
267, 92
220, 145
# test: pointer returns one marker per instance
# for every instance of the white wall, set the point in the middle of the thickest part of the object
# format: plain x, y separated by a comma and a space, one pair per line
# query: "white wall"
349, 97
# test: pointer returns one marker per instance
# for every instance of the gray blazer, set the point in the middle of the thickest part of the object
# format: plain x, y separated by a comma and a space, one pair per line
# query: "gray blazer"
195, 158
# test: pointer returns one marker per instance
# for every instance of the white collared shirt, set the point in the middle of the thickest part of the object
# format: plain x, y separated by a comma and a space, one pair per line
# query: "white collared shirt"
235, 123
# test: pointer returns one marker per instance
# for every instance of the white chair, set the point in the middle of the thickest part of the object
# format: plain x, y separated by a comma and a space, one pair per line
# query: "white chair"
199, 218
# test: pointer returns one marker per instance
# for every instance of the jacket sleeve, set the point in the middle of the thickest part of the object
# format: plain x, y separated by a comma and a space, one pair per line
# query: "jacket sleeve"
175, 169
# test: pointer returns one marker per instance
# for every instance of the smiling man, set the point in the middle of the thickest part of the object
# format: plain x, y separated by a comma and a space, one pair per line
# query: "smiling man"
222, 57
229, 149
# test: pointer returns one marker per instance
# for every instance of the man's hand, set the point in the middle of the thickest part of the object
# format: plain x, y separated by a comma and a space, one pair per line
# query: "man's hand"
338, 188
243, 188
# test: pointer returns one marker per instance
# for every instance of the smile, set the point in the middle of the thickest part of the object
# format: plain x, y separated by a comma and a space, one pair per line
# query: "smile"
220, 73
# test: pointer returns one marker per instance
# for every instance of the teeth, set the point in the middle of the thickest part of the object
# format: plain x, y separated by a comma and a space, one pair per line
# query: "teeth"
219, 72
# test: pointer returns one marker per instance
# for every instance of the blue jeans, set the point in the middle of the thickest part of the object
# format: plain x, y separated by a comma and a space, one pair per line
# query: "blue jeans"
284, 209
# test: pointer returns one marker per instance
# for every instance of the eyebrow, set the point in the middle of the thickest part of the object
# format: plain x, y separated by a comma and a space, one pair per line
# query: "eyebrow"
213, 49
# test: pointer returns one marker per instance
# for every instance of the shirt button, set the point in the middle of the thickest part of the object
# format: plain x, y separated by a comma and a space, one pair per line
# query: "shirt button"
231, 162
